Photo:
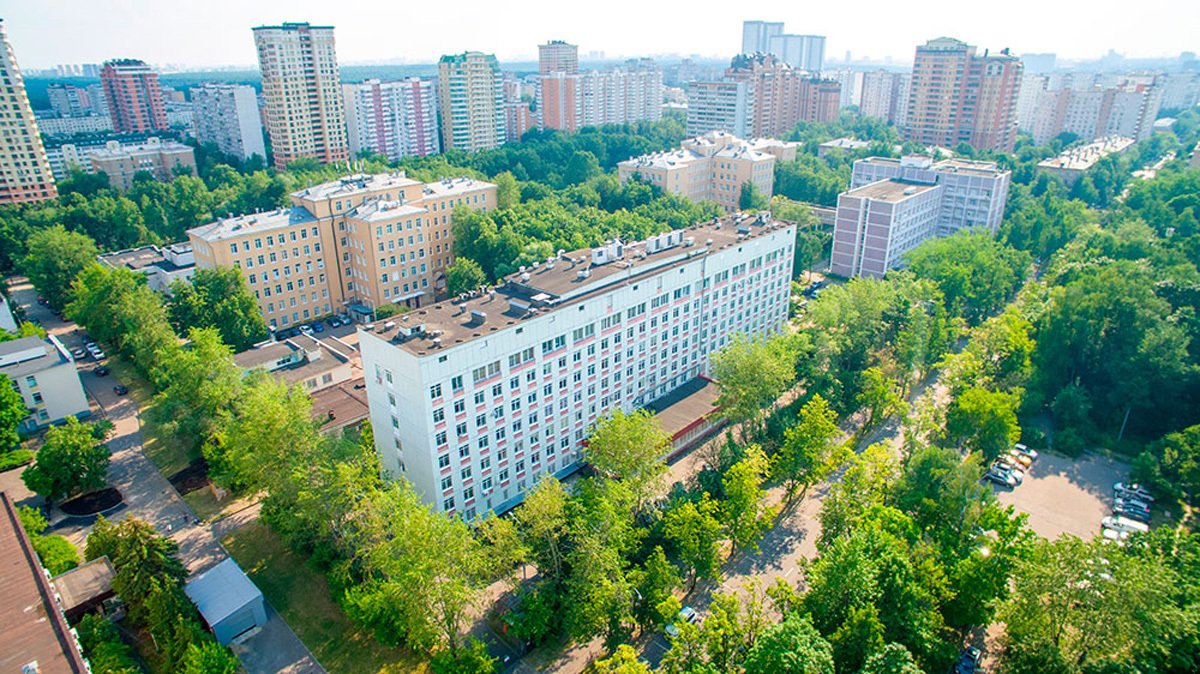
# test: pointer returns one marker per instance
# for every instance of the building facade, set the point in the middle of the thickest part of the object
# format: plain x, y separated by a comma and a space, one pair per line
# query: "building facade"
43, 372
68, 100
471, 101
25, 173
162, 159
133, 96
712, 167
756, 35
228, 115
760, 96
804, 52
894, 205
614, 96
958, 96
474, 400
1072, 163
393, 119
1054, 105
302, 88
557, 56
885, 96
344, 247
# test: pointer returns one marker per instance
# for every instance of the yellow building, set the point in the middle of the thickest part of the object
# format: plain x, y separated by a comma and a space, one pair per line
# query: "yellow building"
345, 247
712, 167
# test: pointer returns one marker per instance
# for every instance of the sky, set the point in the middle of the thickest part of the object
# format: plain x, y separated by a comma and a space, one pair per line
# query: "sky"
198, 33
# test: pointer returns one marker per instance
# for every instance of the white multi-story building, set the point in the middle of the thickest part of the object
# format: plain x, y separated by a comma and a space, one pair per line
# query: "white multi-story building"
394, 119
43, 372
71, 126
474, 399
884, 96
1086, 106
894, 205
227, 114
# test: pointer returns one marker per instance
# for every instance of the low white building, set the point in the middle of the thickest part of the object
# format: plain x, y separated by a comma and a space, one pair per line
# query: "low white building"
162, 266
473, 399
43, 372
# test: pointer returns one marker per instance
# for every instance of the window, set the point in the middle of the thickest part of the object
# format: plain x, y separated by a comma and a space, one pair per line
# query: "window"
444, 461
440, 438
459, 407
465, 473
439, 415
447, 483
448, 504
456, 383
435, 391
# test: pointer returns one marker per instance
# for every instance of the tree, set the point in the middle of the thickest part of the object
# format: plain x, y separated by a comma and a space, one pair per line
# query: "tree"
752, 375
655, 582
55, 257
623, 661
744, 512
57, 554
69, 462
694, 531
750, 198
463, 275
629, 447
809, 453
880, 397
793, 645
508, 194
12, 412
209, 657
142, 559
984, 421
866, 482
1171, 466
471, 659
976, 273
893, 659
542, 523
202, 384
1080, 606
103, 647
218, 297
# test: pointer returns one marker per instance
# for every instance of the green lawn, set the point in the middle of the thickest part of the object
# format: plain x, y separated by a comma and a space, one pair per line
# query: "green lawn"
302, 597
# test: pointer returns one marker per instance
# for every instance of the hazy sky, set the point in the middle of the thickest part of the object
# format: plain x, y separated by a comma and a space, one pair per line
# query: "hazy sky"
217, 32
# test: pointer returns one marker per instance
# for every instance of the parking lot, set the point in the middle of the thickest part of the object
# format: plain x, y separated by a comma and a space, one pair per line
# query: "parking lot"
1065, 495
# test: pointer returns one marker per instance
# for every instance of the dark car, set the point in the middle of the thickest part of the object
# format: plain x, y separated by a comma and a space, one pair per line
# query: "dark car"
1133, 514
101, 371
968, 661
317, 327
120, 389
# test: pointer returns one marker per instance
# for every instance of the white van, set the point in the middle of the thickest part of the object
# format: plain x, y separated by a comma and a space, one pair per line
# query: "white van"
1123, 524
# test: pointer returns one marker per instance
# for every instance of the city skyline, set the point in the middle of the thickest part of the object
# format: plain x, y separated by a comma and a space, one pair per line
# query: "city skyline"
218, 34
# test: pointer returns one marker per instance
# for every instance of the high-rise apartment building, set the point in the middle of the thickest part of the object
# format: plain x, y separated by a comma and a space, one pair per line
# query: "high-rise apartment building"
303, 92
895, 205
473, 400
884, 96
68, 100
775, 97
1086, 108
614, 96
958, 96
346, 246
471, 101
712, 167
228, 115
557, 56
393, 119
24, 170
756, 35
134, 97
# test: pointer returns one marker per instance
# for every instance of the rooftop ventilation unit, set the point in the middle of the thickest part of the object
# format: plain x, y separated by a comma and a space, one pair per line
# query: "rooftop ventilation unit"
478, 317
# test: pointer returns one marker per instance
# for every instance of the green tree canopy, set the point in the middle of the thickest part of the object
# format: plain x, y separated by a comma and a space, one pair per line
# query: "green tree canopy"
976, 274
463, 275
793, 645
218, 298
12, 413
55, 257
69, 462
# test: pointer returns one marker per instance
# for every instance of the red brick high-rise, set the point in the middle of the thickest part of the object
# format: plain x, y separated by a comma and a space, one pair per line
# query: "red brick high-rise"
135, 100
782, 96
957, 96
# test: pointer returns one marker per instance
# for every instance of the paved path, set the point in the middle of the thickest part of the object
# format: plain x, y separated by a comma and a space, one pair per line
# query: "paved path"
149, 496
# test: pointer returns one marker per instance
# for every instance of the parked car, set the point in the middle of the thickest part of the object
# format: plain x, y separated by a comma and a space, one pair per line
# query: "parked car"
317, 327
1022, 460
78, 354
1133, 514
1131, 504
1123, 524
1114, 536
687, 614
98, 355
101, 371
1000, 477
306, 329
1137, 491
1012, 467
1031, 453
334, 322
120, 389
968, 661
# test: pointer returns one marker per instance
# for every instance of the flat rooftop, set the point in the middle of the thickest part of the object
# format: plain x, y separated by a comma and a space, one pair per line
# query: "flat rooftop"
138, 259
454, 187
34, 628
360, 183
691, 402
891, 190
29, 355
270, 353
953, 165
1084, 157
559, 282
253, 223
346, 402
168, 146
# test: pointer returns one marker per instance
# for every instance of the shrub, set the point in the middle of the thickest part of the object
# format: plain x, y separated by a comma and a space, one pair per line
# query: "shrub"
57, 553
15, 459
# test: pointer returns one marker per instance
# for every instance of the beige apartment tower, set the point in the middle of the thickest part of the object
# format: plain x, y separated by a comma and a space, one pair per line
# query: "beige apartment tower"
24, 170
302, 87
471, 102
345, 247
